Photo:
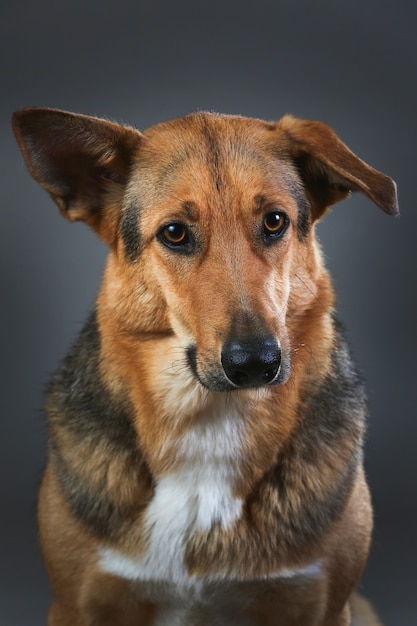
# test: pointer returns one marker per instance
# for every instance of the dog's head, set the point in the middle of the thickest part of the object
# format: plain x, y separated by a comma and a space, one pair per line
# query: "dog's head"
210, 223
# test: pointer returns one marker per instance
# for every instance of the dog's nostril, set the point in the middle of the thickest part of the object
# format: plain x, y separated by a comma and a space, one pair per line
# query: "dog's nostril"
238, 378
251, 363
269, 375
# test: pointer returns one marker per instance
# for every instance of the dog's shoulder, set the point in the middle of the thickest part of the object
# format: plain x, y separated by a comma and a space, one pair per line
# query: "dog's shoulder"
93, 444
317, 467
78, 398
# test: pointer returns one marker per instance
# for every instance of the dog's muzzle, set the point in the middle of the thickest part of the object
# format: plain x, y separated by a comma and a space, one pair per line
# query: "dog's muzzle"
251, 363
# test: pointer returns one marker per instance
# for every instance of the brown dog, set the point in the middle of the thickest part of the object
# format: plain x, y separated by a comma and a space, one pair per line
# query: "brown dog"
205, 448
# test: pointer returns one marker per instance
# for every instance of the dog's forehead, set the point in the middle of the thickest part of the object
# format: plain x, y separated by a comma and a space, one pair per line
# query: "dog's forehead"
206, 149
201, 128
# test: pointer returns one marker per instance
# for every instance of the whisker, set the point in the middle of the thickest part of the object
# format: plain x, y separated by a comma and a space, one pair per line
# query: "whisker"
305, 285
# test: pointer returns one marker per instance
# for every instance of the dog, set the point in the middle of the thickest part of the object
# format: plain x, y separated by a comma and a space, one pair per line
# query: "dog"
206, 428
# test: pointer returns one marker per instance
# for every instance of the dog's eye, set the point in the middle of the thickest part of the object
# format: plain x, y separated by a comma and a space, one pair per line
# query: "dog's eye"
176, 235
274, 225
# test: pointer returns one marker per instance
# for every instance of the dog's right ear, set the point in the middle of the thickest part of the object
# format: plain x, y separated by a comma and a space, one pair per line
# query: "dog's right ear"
83, 162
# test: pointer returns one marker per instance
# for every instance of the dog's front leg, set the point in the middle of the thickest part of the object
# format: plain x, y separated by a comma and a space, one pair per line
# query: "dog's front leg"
102, 614
107, 600
63, 616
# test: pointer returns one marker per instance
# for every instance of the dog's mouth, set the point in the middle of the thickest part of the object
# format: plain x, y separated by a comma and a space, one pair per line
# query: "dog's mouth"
243, 364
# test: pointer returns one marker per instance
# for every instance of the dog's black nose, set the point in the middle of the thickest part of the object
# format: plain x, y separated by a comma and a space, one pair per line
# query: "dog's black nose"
251, 363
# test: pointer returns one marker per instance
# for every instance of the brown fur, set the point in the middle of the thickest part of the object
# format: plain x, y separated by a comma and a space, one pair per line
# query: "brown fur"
144, 390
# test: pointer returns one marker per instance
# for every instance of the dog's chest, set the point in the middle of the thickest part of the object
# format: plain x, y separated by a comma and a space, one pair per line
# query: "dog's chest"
198, 494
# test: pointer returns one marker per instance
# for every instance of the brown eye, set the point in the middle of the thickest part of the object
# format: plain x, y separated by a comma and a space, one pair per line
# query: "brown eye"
176, 236
274, 225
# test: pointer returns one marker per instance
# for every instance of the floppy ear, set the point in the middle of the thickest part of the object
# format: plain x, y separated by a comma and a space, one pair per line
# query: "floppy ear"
83, 162
330, 170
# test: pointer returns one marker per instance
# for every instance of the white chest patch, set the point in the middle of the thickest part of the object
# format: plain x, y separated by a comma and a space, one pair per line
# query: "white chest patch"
193, 497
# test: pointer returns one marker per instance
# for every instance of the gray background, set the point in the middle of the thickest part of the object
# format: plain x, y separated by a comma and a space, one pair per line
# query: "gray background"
351, 64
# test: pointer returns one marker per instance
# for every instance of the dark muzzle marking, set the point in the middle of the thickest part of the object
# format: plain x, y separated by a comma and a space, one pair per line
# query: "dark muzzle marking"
129, 232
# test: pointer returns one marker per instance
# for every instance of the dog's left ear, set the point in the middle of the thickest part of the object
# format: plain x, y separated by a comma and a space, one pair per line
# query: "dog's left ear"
330, 170
83, 162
